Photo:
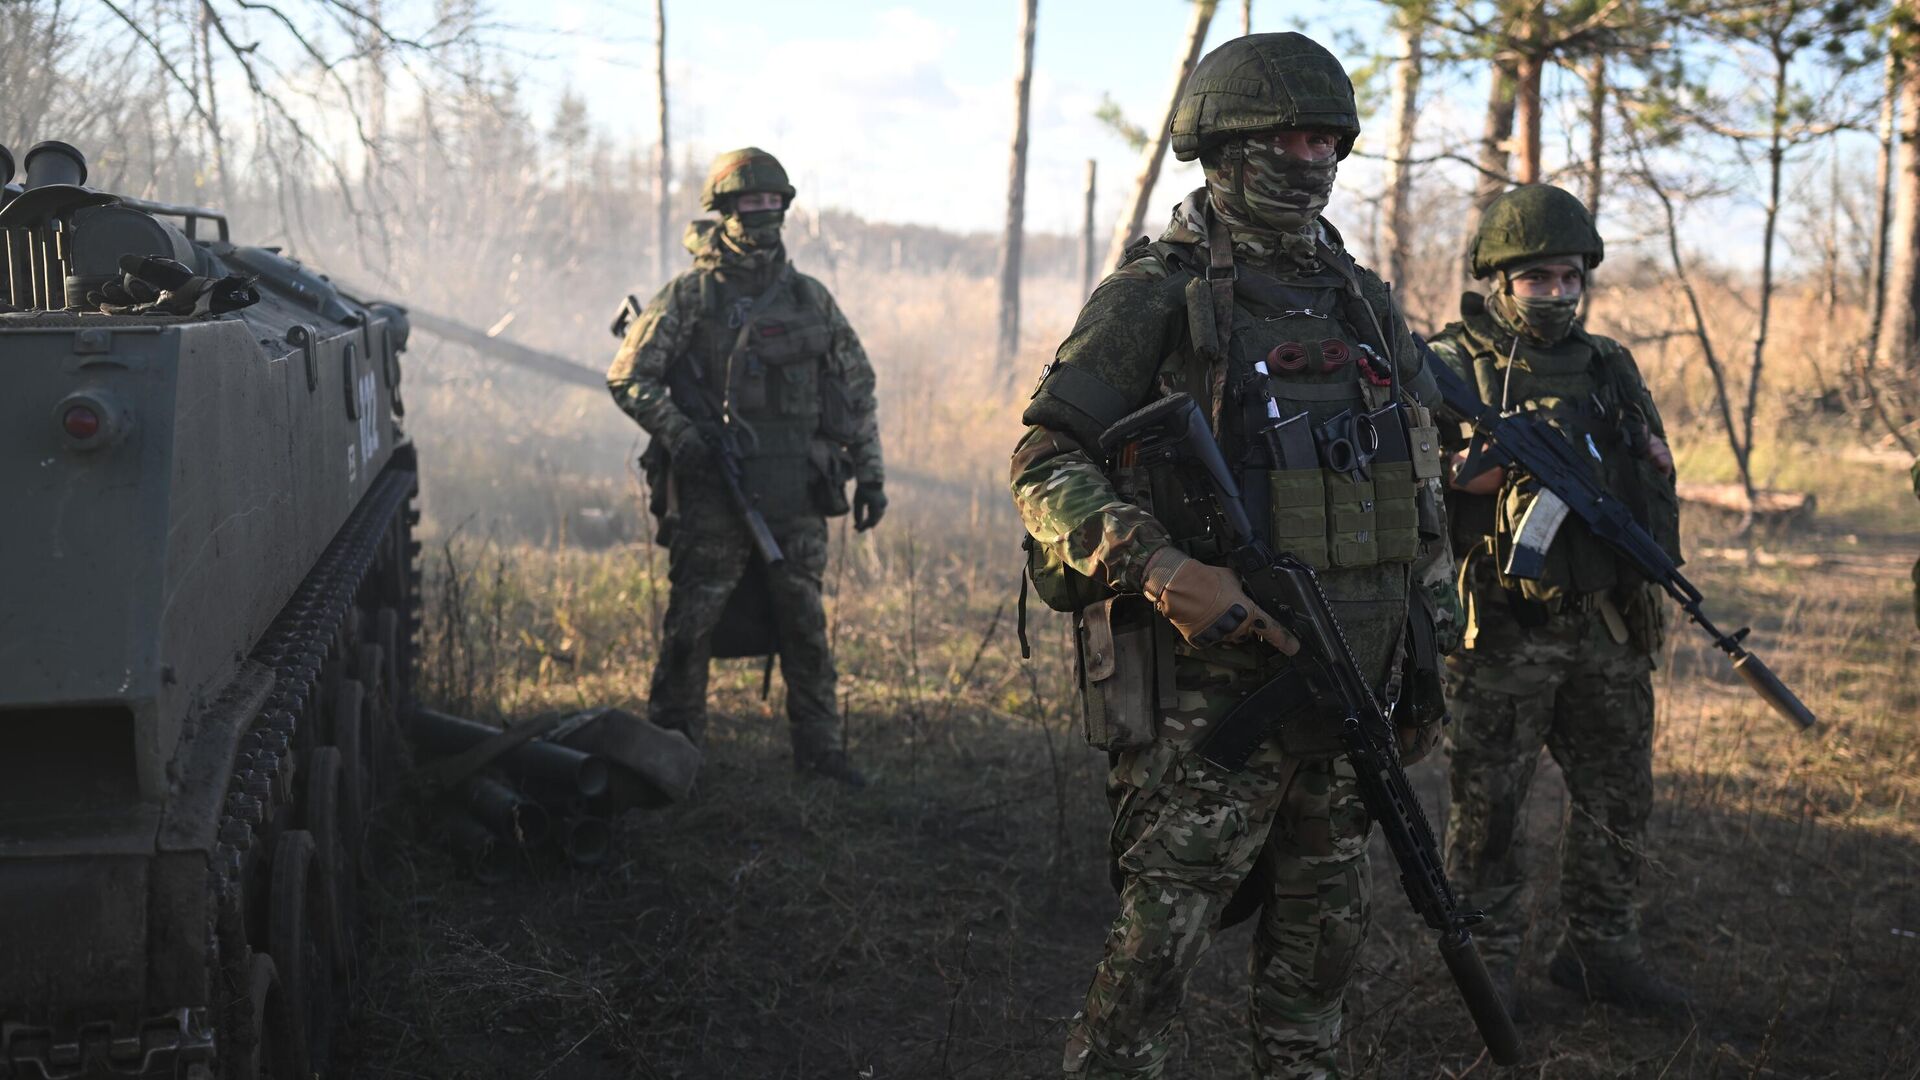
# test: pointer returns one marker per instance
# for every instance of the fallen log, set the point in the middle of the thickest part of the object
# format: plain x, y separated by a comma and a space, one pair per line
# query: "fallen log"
1771, 507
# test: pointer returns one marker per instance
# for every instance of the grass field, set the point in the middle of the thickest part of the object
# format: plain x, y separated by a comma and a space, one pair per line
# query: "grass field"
944, 922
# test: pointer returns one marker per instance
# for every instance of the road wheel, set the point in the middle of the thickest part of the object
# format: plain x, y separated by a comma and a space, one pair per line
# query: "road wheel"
350, 738
303, 959
272, 1053
333, 865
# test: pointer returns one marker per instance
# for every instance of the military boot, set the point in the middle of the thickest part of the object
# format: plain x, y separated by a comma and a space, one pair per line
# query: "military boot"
1625, 981
831, 764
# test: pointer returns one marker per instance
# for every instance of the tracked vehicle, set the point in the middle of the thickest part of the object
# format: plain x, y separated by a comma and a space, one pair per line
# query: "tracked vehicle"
206, 611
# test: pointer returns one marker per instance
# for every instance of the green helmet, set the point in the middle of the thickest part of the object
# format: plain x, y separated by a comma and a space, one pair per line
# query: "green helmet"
1264, 82
737, 172
1530, 223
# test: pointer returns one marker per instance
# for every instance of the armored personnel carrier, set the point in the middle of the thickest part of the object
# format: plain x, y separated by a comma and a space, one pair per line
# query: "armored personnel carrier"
206, 607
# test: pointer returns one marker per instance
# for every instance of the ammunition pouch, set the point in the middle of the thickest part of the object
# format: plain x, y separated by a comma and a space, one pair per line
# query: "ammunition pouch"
827, 482
1330, 519
656, 467
1423, 693
1116, 660
1644, 609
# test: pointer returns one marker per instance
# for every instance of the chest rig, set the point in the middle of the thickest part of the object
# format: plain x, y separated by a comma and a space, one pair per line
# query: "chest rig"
765, 356
1306, 404
1574, 387
1331, 451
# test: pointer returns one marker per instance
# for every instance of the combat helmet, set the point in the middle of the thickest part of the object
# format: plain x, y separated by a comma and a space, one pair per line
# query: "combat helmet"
737, 172
1530, 223
1259, 83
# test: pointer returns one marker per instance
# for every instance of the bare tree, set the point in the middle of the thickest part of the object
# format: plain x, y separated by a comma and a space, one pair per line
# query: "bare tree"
1899, 338
1495, 151
1529, 66
1135, 219
375, 48
1396, 238
663, 162
1010, 243
1883, 206
1769, 120
1596, 77
1088, 252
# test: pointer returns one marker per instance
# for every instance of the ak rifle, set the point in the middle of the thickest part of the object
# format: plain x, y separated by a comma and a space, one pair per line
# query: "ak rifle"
711, 418
1321, 682
1516, 439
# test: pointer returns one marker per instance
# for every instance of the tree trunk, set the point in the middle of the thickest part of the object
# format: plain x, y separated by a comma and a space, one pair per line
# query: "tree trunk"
1246, 17
1701, 331
1596, 133
213, 105
376, 46
1088, 251
1883, 208
1776, 161
1527, 108
1495, 144
1830, 246
1135, 218
1396, 236
1010, 243
663, 174
1900, 316
1596, 155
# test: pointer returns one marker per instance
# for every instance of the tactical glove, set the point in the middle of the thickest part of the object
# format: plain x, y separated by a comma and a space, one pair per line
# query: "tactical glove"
691, 451
869, 505
1207, 603
1418, 741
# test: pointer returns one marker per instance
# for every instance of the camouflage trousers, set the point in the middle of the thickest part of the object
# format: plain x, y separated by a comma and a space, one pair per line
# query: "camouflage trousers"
707, 558
1185, 835
1567, 685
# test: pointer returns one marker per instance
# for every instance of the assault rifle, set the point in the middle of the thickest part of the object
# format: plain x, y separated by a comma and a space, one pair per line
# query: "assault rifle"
710, 417
1322, 680
1519, 440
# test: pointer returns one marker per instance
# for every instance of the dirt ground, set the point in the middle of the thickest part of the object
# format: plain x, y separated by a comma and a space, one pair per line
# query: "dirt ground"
944, 922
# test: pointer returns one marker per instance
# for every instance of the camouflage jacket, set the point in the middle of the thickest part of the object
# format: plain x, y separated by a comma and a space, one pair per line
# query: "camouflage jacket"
666, 330
1131, 336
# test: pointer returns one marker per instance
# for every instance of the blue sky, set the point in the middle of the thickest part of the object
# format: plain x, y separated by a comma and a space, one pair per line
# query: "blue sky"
901, 110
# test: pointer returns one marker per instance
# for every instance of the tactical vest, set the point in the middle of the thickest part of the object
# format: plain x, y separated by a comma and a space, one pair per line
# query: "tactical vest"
1584, 388
1324, 346
791, 413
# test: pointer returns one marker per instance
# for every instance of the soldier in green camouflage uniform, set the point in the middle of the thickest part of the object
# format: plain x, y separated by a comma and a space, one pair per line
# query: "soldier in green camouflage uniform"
1564, 660
1176, 643
745, 336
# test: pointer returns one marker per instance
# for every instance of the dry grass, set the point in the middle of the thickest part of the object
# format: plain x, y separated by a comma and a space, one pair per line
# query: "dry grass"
944, 923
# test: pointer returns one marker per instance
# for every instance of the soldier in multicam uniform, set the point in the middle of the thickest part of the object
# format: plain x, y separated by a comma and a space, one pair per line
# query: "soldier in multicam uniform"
1248, 272
1564, 660
771, 350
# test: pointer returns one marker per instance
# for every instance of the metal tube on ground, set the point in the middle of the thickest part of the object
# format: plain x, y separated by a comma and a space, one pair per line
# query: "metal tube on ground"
474, 847
512, 817
440, 735
585, 840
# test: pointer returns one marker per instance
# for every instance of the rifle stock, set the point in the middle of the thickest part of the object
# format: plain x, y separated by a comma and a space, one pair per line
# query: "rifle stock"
1518, 440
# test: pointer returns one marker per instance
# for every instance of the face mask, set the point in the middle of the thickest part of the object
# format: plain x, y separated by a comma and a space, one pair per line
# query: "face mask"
1270, 189
1543, 318
754, 230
